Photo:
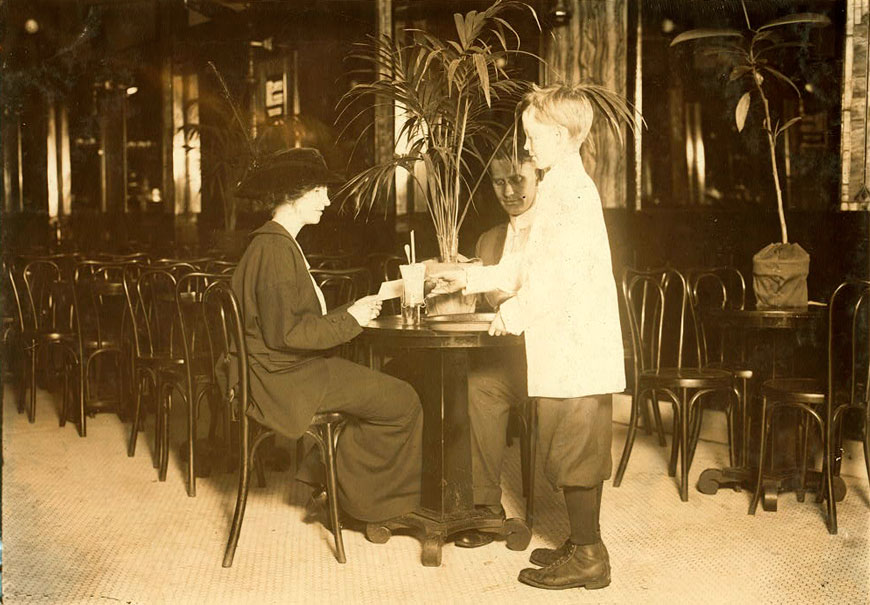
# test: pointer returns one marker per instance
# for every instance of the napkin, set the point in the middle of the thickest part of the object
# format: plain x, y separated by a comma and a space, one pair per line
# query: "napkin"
390, 289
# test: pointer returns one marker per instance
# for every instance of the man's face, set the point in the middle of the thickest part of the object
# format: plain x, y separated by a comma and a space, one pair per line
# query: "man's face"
515, 186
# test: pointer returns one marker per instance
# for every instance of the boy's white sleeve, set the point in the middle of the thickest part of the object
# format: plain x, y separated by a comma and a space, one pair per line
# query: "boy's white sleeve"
557, 269
503, 276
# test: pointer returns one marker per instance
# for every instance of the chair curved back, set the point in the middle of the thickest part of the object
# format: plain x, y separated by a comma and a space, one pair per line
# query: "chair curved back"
221, 313
849, 345
50, 301
330, 261
150, 294
142, 257
196, 344
100, 299
659, 317
391, 267
220, 266
14, 274
339, 287
714, 288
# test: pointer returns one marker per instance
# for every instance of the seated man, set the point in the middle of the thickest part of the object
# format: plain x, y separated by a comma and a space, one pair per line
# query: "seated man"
497, 378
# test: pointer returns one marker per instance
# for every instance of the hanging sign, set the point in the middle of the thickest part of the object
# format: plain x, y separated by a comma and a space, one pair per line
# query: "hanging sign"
275, 96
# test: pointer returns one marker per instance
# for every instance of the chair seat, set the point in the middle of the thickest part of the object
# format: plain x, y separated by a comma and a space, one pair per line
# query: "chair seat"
690, 378
803, 390
105, 343
49, 336
160, 360
738, 369
327, 417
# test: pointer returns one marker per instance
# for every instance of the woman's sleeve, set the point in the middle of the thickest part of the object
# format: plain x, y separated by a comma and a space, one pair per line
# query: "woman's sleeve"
285, 323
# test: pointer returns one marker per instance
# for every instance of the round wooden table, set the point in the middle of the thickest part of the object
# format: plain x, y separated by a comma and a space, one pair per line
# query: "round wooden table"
777, 322
447, 504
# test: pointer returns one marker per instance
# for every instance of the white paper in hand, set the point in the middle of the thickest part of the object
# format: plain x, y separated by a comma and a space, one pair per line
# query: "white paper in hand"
390, 289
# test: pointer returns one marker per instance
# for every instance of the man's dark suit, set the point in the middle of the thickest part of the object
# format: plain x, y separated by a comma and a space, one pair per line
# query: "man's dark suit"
496, 382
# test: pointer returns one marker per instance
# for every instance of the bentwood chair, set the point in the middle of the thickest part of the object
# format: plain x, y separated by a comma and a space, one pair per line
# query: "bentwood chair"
197, 381
847, 387
48, 323
661, 323
100, 306
150, 295
722, 288
222, 314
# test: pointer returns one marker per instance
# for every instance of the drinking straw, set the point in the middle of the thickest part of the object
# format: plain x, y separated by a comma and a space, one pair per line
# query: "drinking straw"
413, 249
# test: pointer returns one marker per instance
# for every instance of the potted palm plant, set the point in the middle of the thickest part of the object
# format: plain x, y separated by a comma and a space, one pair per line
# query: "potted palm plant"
779, 270
449, 94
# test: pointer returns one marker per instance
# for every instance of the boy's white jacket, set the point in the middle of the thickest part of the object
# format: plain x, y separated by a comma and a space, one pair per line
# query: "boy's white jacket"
566, 301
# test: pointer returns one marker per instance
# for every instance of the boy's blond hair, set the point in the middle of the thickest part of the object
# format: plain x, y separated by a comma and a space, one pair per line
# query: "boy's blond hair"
561, 105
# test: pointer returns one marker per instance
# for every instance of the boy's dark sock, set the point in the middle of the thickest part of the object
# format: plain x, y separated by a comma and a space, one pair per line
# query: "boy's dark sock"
583, 504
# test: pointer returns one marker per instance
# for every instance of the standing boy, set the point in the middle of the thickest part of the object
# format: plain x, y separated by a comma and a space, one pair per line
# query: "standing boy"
566, 304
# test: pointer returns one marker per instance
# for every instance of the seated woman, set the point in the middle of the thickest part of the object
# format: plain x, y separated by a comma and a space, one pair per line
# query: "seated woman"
289, 333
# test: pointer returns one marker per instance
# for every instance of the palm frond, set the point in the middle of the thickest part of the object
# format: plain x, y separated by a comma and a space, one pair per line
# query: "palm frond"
451, 92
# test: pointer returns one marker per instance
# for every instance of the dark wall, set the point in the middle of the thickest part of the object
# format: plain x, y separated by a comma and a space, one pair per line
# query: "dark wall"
838, 242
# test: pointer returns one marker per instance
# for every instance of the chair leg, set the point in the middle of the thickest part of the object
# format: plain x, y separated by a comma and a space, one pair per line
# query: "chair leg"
532, 431
245, 460
191, 442
697, 418
753, 504
134, 431
647, 419
332, 489
21, 401
261, 474
744, 423
158, 425
829, 475
64, 407
80, 395
733, 455
837, 447
164, 407
684, 445
31, 415
866, 444
675, 442
629, 440
657, 416
803, 432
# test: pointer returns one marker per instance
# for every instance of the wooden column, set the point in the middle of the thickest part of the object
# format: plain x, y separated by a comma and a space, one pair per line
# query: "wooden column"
383, 132
855, 137
167, 187
592, 47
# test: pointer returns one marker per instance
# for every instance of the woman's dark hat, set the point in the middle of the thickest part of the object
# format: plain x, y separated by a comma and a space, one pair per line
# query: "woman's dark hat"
286, 170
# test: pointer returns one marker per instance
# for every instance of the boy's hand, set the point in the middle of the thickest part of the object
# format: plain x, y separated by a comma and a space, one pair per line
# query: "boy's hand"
446, 282
497, 328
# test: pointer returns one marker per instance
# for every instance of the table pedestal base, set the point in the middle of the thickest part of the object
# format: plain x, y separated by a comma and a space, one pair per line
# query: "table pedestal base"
771, 484
436, 529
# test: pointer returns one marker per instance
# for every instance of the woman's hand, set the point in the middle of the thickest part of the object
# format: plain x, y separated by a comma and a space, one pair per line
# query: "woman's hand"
452, 280
497, 328
365, 309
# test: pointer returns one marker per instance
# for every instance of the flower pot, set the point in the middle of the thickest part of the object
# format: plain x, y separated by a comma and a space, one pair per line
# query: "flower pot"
779, 276
449, 304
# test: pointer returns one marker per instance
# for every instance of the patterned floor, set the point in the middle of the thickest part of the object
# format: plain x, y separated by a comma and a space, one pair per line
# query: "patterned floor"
83, 523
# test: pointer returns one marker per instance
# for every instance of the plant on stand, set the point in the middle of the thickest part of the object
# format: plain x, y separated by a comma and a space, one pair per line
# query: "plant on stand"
779, 270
